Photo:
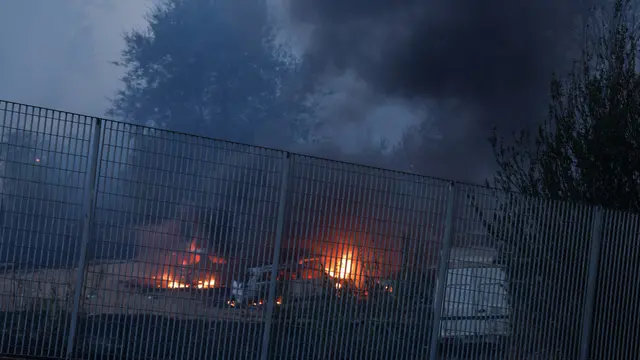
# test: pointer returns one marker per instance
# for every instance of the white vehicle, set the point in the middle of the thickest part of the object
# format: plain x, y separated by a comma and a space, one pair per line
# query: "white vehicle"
302, 279
476, 305
253, 288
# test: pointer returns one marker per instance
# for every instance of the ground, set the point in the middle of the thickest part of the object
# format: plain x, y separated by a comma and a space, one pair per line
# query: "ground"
106, 292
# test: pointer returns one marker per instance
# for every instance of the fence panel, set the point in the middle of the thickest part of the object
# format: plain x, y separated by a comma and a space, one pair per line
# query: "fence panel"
197, 248
43, 172
358, 262
179, 218
617, 311
518, 276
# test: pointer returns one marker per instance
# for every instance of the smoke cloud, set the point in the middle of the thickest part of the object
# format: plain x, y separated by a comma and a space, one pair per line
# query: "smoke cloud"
374, 70
492, 58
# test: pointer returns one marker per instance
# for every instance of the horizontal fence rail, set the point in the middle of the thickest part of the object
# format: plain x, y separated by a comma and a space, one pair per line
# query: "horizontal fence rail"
124, 241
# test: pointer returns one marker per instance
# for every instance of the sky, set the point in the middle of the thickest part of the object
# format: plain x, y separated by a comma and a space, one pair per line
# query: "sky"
383, 67
58, 53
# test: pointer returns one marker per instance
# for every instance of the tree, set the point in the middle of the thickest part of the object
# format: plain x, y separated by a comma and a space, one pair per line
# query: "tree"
594, 117
203, 67
586, 151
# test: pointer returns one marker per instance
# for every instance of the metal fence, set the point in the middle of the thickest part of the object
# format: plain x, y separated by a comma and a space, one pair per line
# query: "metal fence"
121, 241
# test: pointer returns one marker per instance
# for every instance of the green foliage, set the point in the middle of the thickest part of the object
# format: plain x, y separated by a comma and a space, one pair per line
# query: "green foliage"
202, 67
586, 151
544, 248
588, 148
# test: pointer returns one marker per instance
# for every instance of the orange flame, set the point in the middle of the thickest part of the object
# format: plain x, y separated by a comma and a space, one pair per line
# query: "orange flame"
178, 271
171, 283
192, 258
345, 266
341, 270
206, 284
354, 257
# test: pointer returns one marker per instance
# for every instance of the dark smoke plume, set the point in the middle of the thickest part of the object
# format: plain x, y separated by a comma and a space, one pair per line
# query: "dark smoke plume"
493, 57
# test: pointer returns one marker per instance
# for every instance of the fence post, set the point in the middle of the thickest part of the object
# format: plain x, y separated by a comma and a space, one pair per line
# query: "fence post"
87, 222
590, 296
284, 183
443, 266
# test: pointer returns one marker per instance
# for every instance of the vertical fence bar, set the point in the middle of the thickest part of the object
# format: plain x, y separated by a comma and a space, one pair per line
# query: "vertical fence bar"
590, 296
443, 266
89, 201
284, 182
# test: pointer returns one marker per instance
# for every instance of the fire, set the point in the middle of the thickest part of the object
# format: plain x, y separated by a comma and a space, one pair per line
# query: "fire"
167, 282
342, 270
345, 267
184, 269
357, 257
193, 257
176, 285
207, 284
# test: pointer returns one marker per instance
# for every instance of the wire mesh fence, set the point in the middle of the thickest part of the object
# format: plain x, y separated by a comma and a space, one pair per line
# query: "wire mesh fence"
43, 168
123, 241
357, 262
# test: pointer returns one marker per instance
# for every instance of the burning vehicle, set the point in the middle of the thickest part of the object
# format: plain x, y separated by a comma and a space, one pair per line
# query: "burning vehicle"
476, 305
166, 260
341, 263
193, 272
305, 279
190, 268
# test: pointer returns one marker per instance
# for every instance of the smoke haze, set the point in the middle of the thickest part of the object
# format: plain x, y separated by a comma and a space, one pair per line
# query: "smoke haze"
493, 58
374, 70
59, 53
